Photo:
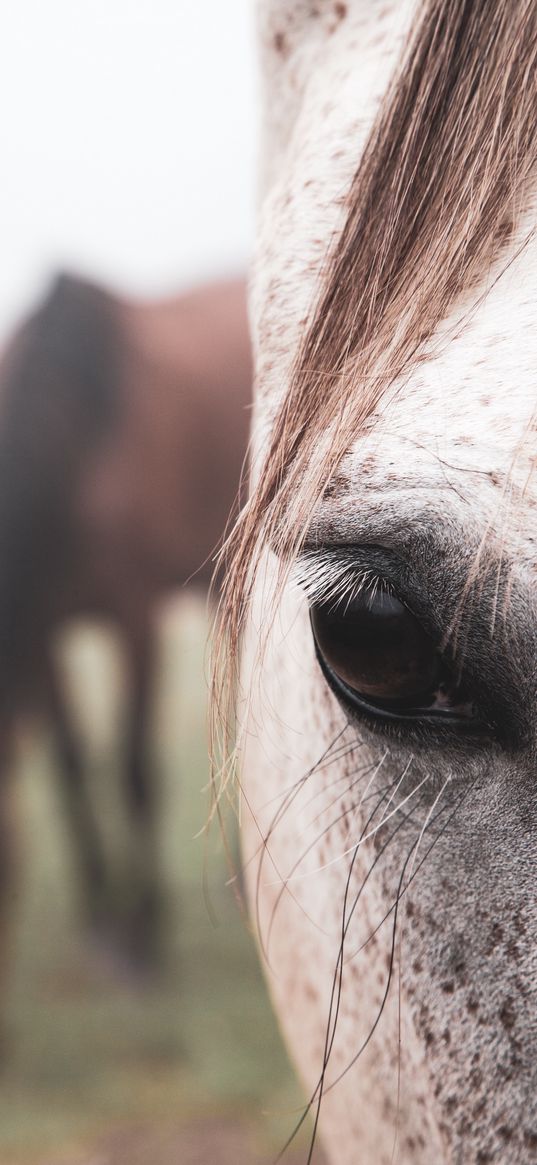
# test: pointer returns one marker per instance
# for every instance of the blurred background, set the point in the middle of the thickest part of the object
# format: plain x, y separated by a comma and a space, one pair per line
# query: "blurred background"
134, 1023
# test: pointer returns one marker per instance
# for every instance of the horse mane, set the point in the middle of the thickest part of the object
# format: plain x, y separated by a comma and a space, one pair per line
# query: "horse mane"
58, 397
434, 202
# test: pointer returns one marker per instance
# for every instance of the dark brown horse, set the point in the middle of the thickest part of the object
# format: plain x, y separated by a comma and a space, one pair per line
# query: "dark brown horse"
123, 428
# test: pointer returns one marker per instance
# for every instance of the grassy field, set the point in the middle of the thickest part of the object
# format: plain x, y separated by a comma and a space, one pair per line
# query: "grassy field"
100, 1068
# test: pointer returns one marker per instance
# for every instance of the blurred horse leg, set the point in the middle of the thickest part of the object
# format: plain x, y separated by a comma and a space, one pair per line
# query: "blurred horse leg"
83, 826
141, 796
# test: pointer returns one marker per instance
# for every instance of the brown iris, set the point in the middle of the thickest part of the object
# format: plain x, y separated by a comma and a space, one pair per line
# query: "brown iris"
377, 648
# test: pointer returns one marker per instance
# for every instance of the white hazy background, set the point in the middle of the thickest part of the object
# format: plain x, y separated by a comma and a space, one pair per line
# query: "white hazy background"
127, 143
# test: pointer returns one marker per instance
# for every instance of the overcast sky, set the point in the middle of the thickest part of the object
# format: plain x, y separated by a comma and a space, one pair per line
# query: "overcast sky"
127, 135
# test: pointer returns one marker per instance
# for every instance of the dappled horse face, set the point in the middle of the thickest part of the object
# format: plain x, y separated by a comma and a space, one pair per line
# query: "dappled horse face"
389, 769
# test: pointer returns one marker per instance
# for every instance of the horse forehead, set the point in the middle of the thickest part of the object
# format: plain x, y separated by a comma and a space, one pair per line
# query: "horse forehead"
475, 400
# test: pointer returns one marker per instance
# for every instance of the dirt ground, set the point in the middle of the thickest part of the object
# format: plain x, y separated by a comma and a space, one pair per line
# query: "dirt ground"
210, 1143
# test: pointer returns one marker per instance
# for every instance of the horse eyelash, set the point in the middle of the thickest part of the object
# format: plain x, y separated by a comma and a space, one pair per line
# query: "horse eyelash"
330, 581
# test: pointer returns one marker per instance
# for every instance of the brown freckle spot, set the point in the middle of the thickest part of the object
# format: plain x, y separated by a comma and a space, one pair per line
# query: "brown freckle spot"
340, 11
472, 1004
530, 1139
335, 486
377, 842
446, 1036
496, 932
417, 966
505, 1132
483, 1157
280, 43
508, 1015
311, 993
448, 987
386, 1108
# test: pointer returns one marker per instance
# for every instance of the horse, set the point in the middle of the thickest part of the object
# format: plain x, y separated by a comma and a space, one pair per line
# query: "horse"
380, 590
123, 427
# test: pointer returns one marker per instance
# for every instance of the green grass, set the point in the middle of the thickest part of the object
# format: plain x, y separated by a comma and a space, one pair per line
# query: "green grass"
87, 1049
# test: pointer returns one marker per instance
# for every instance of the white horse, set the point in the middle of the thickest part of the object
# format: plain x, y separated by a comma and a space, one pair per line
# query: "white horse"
385, 573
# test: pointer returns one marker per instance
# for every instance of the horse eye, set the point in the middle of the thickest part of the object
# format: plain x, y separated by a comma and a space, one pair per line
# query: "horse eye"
376, 653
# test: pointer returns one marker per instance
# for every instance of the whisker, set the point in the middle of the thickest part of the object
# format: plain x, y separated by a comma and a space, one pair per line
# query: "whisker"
316, 1097
401, 890
312, 846
410, 880
396, 809
321, 1089
264, 849
371, 769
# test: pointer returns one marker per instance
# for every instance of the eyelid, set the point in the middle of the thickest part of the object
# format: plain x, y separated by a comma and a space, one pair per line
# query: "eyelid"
359, 706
